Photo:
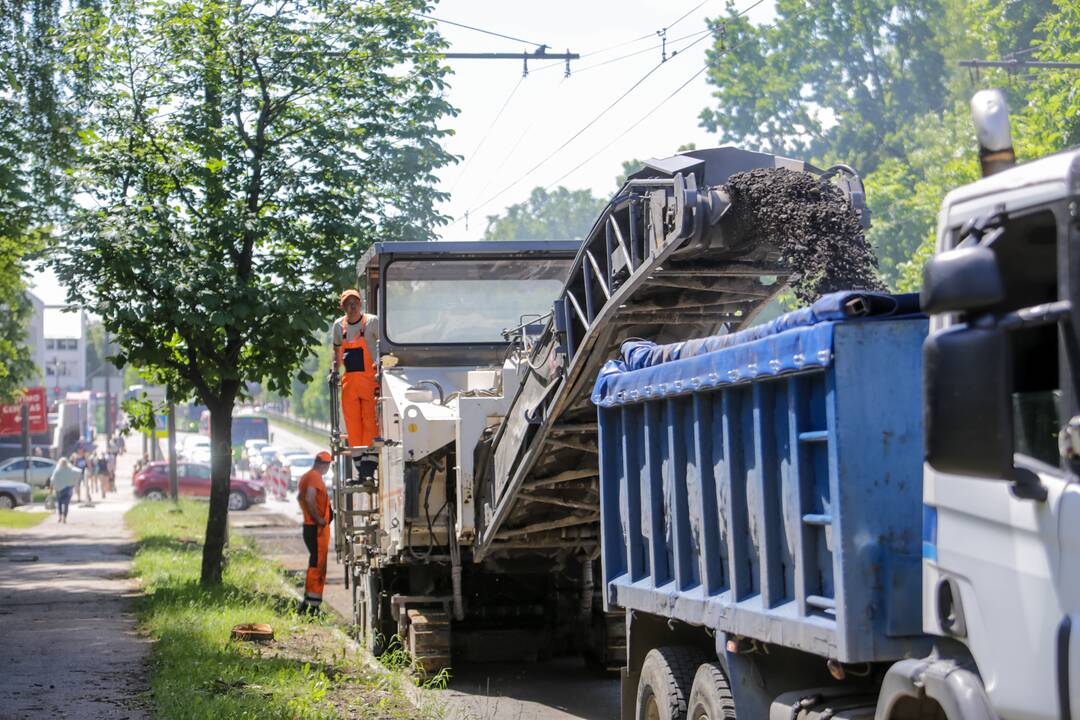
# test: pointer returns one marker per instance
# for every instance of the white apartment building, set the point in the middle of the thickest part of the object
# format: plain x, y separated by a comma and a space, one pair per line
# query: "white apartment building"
65, 350
35, 338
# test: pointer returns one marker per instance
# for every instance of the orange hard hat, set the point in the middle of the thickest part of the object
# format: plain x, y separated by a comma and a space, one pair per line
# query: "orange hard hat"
348, 294
324, 456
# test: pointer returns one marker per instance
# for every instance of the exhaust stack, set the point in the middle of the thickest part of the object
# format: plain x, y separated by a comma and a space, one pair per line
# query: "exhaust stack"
991, 116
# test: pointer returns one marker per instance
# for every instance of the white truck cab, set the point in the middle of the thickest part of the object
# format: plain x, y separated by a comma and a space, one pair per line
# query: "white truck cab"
1001, 536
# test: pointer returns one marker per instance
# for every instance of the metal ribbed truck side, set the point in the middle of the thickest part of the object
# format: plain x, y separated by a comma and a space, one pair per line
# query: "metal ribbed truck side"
771, 490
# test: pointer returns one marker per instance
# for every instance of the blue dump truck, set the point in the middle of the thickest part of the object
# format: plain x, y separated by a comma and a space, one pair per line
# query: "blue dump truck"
761, 508
852, 512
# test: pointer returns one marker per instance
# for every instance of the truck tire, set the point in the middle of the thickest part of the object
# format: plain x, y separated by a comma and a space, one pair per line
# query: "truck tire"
663, 691
710, 696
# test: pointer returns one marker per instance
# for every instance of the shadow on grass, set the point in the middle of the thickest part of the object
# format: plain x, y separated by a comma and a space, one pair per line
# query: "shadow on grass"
199, 672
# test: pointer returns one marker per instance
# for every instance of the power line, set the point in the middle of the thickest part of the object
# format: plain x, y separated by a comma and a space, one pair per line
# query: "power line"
476, 29
619, 99
483, 139
629, 129
651, 48
573, 137
509, 155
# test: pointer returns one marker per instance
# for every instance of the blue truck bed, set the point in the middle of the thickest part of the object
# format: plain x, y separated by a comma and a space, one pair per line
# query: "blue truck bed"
769, 484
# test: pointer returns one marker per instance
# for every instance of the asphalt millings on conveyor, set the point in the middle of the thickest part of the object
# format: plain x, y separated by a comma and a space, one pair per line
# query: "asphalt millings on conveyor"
812, 225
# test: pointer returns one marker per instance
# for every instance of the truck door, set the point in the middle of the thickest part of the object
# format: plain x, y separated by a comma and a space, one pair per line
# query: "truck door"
998, 570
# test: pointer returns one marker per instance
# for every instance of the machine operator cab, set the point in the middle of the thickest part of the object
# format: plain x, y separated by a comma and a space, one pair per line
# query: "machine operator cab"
451, 315
1001, 577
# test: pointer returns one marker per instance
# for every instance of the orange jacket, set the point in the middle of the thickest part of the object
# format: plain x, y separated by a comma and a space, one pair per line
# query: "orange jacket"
312, 479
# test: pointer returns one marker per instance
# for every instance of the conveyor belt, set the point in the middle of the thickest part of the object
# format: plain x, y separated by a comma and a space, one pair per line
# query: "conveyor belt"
662, 262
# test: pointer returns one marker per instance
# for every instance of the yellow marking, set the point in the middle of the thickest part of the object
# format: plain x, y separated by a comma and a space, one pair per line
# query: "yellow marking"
412, 427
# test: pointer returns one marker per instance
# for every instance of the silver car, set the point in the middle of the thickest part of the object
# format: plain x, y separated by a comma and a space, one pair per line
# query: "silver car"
37, 470
13, 494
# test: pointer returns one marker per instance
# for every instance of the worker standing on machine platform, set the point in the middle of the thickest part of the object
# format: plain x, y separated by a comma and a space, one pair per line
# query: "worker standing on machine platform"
355, 336
315, 504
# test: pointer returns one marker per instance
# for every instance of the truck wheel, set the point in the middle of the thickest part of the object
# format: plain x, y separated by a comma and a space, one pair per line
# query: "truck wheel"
710, 697
664, 688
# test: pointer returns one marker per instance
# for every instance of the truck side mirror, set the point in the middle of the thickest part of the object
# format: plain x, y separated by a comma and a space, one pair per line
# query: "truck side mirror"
962, 279
968, 421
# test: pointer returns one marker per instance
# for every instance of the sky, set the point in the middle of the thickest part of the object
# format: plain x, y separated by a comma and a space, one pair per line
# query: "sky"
513, 132
507, 154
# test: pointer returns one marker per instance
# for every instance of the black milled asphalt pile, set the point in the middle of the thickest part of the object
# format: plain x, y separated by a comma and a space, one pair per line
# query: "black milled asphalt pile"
812, 224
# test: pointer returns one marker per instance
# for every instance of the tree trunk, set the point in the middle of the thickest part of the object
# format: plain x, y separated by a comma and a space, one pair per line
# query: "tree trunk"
217, 525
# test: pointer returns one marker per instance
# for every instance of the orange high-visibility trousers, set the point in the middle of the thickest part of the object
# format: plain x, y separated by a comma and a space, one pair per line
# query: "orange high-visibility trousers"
317, 540
358, 408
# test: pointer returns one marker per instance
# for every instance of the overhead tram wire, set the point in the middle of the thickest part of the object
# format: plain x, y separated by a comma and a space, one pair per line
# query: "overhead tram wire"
650, 112
479, 30
651, 48
487, 133
573, 137
603, 112
535, 119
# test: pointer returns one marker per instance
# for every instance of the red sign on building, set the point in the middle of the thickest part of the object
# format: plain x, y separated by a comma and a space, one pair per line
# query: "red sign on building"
11, 415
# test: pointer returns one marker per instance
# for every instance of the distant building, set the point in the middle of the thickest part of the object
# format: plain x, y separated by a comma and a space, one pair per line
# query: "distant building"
65, 350
35, 338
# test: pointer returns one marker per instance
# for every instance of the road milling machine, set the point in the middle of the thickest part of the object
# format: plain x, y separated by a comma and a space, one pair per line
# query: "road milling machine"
472, 528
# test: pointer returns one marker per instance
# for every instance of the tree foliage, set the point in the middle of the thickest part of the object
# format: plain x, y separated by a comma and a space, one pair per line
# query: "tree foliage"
827, 76
561, 214
32, 143
875, 84
237, 158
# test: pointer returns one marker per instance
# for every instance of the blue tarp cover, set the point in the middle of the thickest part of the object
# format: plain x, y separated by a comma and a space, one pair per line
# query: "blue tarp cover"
794, 341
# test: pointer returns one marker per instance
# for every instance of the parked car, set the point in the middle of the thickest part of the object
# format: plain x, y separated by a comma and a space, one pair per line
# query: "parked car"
152, 483
38, 470
14, 493
299, 463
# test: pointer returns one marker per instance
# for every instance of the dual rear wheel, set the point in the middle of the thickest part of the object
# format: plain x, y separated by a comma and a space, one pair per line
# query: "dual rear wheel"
680, 683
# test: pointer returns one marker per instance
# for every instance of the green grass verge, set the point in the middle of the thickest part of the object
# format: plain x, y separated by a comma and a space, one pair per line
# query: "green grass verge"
308, 671
20, 520
38, 495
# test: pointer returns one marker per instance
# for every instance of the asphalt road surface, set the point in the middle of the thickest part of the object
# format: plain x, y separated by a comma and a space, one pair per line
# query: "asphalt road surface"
560, 689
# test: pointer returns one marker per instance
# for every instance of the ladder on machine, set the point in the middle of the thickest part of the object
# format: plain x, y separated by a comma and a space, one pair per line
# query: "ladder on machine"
355, 498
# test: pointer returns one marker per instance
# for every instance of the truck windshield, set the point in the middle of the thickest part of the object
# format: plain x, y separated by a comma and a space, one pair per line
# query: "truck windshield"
467, 301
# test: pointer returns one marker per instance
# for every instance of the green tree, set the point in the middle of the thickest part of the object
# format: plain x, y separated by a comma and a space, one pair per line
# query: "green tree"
315, 402
237, 158
27, 121
872, 83
827, 80
561, 214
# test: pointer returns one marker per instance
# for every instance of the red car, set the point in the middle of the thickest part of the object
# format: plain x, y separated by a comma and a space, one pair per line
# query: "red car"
152, 483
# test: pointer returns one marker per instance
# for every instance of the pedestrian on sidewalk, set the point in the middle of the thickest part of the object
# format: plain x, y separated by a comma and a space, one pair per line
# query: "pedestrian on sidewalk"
79, 462
110, 470
63, 481
315, 504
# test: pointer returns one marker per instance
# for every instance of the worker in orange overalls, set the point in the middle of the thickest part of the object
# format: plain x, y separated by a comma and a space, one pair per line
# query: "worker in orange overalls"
355, 336
315, 504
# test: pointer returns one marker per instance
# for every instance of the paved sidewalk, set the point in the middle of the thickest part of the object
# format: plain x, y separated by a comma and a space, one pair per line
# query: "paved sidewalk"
71, 649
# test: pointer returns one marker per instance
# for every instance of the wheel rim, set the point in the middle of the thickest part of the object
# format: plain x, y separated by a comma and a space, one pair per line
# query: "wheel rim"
6, 502
236, 501
652, 710
154, 495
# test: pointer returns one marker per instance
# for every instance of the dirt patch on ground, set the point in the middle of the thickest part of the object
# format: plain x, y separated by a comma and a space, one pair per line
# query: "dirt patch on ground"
813, 225
353, 688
